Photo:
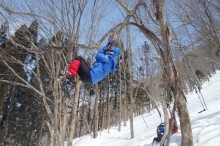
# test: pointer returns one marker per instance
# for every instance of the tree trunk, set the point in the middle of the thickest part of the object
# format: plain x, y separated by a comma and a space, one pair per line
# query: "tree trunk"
185, 123
173, 119
96, 114
125, 99
166, 121
63, 124
119, 112
51, 130
131, 105
74, 113
108, 104
102, 116
41, 129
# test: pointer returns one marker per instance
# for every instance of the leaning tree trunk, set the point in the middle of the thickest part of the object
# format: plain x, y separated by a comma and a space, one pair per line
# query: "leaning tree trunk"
172, 76
185, 124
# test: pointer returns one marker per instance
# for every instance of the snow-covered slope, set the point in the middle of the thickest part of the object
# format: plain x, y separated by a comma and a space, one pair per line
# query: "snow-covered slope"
205, 125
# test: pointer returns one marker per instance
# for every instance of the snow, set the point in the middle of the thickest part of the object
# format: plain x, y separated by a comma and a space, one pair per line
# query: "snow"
205, 125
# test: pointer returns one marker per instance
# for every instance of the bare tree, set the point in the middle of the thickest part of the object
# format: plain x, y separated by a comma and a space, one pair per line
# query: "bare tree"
50, 62
170, 72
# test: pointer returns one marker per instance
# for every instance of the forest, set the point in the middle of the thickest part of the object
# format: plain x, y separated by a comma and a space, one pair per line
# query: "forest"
168, 48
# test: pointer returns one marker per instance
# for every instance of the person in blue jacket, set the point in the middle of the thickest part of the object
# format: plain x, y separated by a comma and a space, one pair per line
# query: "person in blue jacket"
106, 62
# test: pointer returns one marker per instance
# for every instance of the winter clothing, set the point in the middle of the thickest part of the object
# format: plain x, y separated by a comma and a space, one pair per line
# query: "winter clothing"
116, 51
160, 128
73, 68
106, 62
175, 126
84, 71
160, 131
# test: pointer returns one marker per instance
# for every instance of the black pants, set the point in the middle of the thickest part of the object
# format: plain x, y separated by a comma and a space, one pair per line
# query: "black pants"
84, 70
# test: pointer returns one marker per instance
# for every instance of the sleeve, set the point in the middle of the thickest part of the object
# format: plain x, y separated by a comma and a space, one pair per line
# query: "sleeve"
100, 56
103, 49
114, 69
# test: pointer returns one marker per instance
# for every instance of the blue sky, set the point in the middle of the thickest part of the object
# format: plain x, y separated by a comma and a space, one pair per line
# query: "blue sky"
111, 15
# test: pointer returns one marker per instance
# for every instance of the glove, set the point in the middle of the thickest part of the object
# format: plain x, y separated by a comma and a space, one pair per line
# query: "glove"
109, 51
110, 43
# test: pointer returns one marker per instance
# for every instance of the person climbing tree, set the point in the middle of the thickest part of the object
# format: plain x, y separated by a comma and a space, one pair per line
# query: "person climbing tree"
106, 62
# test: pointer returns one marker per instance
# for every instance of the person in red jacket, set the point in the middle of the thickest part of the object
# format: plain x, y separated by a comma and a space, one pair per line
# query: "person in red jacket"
175, 126
106, 62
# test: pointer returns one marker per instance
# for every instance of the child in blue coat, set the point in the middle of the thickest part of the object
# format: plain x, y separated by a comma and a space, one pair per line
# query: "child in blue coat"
106, 62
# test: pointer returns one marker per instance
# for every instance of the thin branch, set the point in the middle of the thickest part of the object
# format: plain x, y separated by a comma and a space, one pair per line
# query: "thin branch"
132, 11
114, 30
15, 83
27, 84
148, 32
10, 12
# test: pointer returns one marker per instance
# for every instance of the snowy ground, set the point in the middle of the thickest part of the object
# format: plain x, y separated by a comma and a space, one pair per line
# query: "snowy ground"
205, 126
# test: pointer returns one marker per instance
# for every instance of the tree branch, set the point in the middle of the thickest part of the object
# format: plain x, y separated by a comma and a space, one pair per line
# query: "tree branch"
15, 83
27, 84
9, 11
132, 11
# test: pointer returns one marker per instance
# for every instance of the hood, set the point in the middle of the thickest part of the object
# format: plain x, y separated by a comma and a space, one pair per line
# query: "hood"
117, 51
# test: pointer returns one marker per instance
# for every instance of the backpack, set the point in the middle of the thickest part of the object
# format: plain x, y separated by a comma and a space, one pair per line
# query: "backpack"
160, 131
160, 128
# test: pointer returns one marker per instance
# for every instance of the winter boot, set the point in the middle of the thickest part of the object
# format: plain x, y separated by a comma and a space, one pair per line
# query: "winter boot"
71, 72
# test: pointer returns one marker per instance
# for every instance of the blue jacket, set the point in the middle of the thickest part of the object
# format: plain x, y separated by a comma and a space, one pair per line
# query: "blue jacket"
105, 63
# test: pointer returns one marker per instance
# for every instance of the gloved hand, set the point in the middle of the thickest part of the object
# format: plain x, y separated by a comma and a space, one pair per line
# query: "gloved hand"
110, 43
109, 51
